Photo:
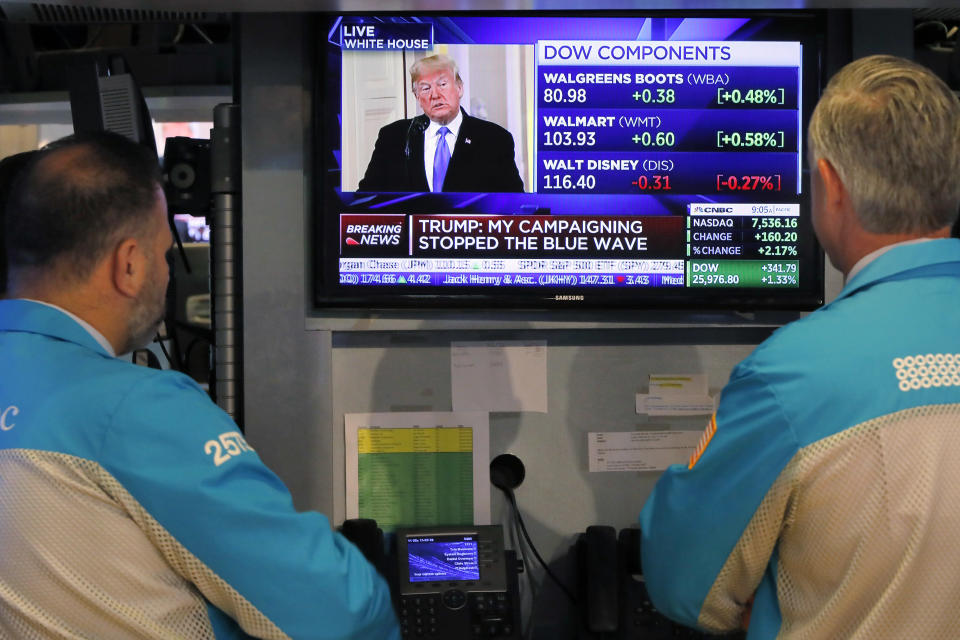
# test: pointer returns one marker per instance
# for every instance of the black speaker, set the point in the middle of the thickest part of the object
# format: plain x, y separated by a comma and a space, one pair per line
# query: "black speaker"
186, 175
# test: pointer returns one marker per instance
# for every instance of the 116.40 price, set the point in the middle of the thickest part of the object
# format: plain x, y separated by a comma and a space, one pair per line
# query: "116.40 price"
566, 181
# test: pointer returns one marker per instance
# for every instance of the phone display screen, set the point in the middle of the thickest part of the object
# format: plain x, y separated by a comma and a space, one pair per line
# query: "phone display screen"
443, 558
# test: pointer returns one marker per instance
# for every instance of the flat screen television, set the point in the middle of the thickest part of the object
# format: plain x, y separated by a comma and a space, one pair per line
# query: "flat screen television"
644, 160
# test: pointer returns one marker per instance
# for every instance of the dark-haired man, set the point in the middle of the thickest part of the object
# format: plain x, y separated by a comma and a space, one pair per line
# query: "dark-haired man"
10, 167
825, 489
444, 149
130, 505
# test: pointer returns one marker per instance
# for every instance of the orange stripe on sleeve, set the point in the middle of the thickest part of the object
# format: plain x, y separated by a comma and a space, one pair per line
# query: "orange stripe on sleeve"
704, 441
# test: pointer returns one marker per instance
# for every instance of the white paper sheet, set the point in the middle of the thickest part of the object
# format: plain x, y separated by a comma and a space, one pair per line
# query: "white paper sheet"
676, 394
678, 384
499, 376
640, 450
418, 469
675, 405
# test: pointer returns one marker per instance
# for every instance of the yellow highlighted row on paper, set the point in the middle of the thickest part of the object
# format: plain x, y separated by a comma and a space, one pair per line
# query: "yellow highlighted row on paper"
416, 440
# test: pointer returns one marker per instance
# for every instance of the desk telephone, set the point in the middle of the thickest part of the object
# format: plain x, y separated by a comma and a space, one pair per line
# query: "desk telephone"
448, 583
456, 582
613, 596
459, 583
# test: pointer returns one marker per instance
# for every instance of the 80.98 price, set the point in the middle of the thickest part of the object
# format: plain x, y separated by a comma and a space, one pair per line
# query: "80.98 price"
570, 95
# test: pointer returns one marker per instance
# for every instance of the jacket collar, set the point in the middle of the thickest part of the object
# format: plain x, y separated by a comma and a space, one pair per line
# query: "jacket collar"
27, 316
904, 259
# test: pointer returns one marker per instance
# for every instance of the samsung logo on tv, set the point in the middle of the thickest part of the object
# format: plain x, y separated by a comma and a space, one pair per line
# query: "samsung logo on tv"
568, 298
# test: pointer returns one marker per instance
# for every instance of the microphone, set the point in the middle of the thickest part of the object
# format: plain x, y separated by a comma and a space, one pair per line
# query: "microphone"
420, 123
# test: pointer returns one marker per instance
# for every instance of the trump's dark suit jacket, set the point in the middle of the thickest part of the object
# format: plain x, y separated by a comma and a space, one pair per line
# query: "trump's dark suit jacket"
482, 159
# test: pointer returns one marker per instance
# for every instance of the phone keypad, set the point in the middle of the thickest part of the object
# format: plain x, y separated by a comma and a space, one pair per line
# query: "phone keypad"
491, 615
418, 616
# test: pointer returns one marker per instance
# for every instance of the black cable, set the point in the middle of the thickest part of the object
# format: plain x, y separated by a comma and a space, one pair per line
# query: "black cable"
159, 341
202, 34
199, 340
535, 589
189, 350
522, 551
66, 41
180, 249
170, 316
526, 536
175, 344
92, 37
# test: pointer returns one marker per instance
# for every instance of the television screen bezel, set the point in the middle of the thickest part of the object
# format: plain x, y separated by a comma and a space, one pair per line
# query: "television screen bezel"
322, 258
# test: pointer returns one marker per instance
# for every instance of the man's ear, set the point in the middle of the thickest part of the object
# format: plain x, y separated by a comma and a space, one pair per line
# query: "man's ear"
129, 267
834, 192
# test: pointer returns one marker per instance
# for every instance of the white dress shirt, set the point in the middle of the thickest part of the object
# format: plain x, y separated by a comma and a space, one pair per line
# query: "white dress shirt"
96, 335
873, 255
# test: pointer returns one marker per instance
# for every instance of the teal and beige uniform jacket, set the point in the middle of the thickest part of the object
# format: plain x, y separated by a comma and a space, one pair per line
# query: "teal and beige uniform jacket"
829, 483
132, 507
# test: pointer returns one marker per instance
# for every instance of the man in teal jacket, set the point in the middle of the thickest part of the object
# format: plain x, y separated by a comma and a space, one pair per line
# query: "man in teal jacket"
824, 500
130, 505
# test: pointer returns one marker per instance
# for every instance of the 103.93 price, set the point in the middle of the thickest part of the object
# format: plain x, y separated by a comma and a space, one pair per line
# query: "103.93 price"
569, 138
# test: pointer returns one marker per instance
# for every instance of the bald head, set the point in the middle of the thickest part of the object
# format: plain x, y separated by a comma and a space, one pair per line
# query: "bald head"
75, 200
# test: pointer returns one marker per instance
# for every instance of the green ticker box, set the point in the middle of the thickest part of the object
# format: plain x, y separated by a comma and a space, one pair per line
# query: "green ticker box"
766, 274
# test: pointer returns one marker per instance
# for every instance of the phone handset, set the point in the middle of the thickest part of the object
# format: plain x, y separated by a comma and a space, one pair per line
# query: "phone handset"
615, 604
599, 583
